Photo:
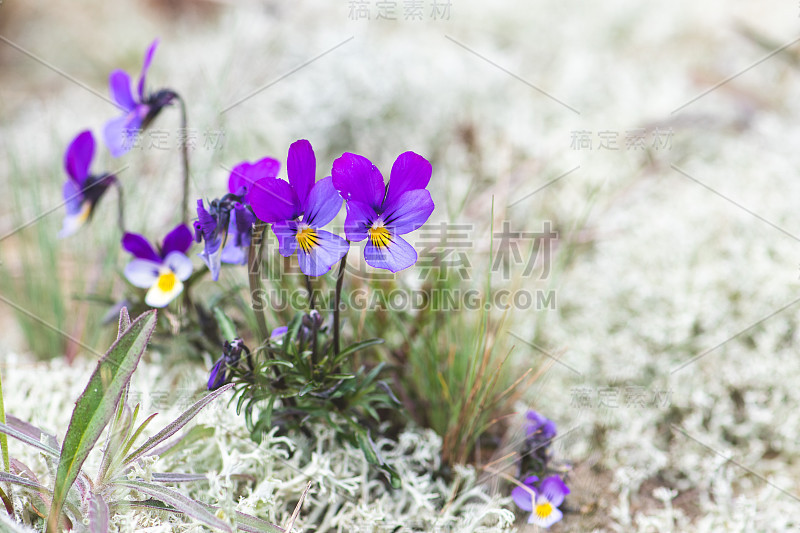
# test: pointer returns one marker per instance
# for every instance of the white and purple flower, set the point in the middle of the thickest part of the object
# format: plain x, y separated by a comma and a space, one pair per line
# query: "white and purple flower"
226, 226
161, 271
541, 502
138, 111
297, 209
381, 214
82, 190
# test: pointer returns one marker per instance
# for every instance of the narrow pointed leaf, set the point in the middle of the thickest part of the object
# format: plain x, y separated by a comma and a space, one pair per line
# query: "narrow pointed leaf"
97, 405
12, 432
177, 500
176, 425
124, 321
98, 514
32, 431
23, 482
177, 477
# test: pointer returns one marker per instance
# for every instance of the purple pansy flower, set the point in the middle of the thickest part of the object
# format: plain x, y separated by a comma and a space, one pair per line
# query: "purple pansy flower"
226, 226
283, 204
138, 110
161, 271
541, 502
82, 190
381, 214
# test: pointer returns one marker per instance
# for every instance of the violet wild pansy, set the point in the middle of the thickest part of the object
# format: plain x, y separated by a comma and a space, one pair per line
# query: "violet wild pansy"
162, 271
82, 190
542, 501
381, 214
297, 209
138, 109
225, 227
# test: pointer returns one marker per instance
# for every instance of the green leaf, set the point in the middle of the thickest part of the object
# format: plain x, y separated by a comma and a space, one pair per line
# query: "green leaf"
226, 325
357, 346
97, 405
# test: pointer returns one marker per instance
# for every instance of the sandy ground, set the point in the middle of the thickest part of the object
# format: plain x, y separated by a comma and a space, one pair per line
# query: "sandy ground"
658, 138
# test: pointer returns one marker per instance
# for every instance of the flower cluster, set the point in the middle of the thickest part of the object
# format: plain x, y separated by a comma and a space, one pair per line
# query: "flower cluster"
299, 208
82, 190
541, 499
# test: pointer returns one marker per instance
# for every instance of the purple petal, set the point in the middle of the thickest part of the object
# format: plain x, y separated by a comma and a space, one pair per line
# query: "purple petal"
523, 498
408, 212
358, 221
120, 86
245, 174
73, 197
140, 247
216, 377
319, 260
301, 166
285, 233
78, 156
177, 240
357, 179
324, 203
273, 200
212, 257
279, 332
410, 171
398, 255
233, 254
554, 490
118, 132
148, 57
142, 273
207, 223
242, 220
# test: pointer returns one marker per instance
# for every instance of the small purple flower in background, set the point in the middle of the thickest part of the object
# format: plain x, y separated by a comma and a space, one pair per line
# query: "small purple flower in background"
381, 214
539, 428
226, 226
541, 502
138, 111
161, 271
282, 204
231, 354
82, 190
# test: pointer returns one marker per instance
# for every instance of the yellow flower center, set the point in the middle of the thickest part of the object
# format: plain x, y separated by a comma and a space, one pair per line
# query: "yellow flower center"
543, 510
166, 281
307, 239
380, 236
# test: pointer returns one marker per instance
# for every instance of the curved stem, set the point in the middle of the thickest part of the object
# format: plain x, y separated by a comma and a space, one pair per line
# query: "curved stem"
336, 301
254, 262
3, 438
120, 206
185, 157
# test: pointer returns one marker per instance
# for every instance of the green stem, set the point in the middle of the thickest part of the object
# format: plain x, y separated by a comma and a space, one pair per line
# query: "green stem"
254, 262
185, 157
3, 437
310, 289
336, 301
120, 206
